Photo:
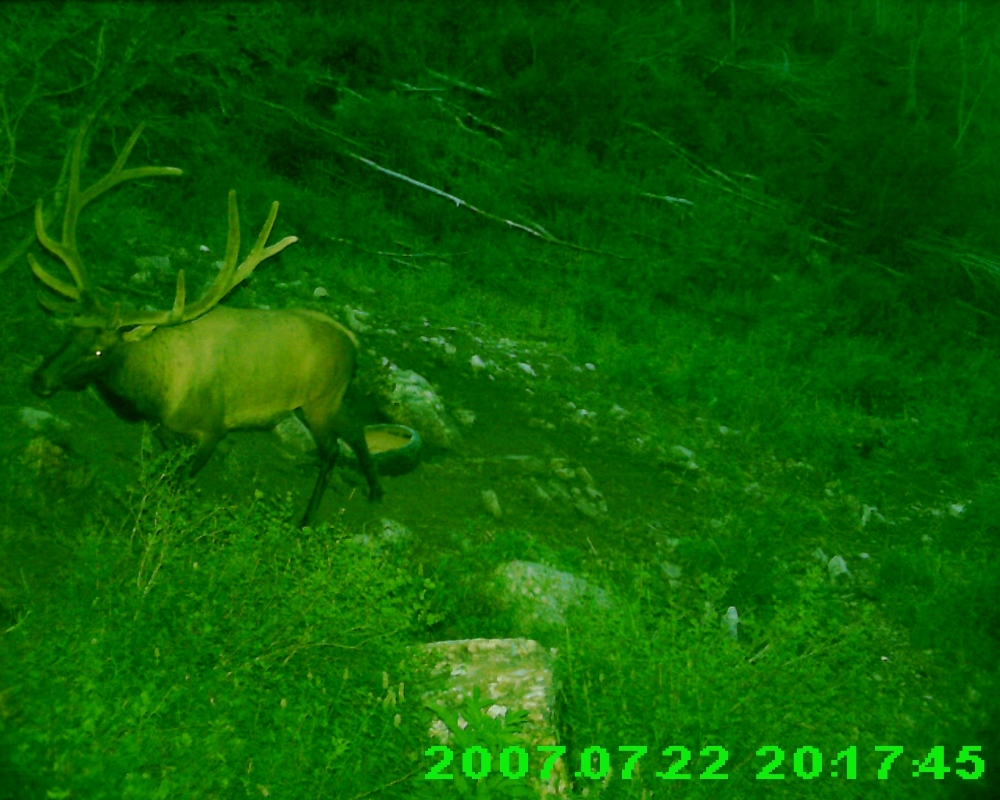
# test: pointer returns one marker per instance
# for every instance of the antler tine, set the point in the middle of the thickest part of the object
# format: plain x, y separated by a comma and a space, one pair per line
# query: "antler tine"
76, 200
118, 175
66, 250
223, 282
149, 320
228, 278
259, 251
220, 286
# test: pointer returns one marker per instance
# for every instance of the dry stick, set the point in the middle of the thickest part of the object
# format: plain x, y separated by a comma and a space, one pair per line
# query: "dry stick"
11, 142
392, 254
458, 201
17, 251
409, 774
461, 84
304, 121
712, 176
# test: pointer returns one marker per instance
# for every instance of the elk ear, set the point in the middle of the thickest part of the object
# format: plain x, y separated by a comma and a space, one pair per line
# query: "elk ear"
138, 333
134, 333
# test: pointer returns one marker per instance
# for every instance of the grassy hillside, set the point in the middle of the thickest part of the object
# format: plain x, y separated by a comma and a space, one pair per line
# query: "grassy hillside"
756, 245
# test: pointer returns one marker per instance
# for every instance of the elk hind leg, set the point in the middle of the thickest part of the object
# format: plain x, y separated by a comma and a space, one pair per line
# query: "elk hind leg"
326, 427
351, 431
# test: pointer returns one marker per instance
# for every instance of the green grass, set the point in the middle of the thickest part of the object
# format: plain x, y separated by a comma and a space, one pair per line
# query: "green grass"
202, 651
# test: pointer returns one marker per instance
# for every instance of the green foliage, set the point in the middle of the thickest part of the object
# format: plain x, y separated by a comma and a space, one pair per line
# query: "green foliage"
201, 650
782, 684
492, 734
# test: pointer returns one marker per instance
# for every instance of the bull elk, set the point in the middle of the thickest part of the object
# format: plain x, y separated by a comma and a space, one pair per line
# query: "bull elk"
200, 370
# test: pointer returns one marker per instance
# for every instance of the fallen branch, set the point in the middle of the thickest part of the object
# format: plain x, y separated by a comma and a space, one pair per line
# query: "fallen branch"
458, 201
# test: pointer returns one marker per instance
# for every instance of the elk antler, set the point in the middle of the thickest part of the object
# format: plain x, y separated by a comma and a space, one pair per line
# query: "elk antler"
66, 249
229, 276
95, 315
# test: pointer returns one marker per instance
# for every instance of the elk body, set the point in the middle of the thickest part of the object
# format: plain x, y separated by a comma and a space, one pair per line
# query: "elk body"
202, 370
